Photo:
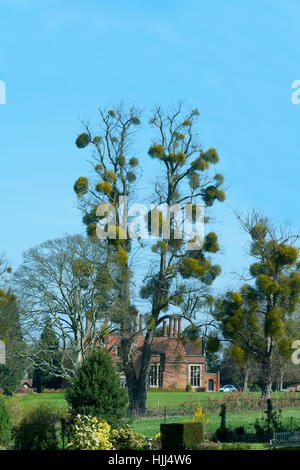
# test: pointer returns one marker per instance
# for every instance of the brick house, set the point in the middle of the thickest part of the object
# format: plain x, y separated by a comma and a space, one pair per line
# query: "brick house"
174, 363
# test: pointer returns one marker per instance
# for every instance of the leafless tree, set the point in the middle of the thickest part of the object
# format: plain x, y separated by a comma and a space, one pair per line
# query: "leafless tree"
68, 281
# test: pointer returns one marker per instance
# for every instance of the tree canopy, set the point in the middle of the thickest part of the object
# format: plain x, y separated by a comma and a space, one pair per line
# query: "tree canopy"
255, 319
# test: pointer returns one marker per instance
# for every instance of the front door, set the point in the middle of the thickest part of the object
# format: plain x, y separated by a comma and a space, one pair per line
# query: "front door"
210, 385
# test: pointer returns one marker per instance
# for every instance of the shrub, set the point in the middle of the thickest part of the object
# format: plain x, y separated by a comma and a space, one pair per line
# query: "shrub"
90, 433
96, 389
272, 422
35, 431
127, 438
15, 410
240, 431
181, 436
9, 379
5, 424
238, 446
156, 442
188, 388
200, 416
223, 433
67, 420
208, 445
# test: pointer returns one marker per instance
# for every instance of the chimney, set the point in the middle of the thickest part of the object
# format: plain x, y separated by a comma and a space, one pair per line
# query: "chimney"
135, 328
165, 328
141, 323
175, 326
171, 327
180, 325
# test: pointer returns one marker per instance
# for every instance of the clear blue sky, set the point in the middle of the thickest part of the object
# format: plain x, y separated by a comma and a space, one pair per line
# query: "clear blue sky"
235, 61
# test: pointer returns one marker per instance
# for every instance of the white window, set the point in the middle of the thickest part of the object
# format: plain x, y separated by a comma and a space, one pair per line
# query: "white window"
195, 376
155, 376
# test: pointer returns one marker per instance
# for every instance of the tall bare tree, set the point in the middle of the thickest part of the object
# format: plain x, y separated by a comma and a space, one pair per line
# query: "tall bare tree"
114, 170
181, 277
183, 271
67, 282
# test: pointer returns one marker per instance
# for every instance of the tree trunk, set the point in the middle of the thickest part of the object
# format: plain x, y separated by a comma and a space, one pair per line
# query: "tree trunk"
281, 379
246, 378
137, 389
267, 377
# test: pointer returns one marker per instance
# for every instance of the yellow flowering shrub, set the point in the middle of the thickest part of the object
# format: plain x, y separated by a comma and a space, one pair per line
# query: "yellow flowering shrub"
200, 416
127, 438
90, 433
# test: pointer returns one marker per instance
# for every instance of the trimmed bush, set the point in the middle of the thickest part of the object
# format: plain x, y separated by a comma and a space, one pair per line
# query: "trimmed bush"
35, 431
96, 389
181, 436
5, 424
127, 438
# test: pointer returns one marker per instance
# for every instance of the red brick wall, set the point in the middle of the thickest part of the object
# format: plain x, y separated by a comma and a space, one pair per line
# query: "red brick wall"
215, 377
174, 376
175, 373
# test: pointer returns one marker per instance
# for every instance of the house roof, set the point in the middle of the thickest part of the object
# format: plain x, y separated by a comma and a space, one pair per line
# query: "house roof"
172, 348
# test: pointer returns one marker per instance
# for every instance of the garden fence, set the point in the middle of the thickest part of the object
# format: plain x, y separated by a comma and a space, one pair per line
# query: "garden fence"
234, 403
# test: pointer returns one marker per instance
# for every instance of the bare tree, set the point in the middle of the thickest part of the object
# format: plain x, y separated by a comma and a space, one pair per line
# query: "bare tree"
4, 267
184, 270
68, 281
176, 279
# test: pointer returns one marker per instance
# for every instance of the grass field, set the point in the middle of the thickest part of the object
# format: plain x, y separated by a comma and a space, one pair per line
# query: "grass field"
154, 399
175, 398
151, 426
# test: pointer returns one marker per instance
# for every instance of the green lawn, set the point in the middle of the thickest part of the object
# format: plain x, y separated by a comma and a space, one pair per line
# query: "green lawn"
155, 399
175, 398
151, 426
33, 399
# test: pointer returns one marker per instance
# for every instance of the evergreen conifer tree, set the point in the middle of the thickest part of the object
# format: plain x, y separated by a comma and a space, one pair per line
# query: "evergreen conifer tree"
96, 388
